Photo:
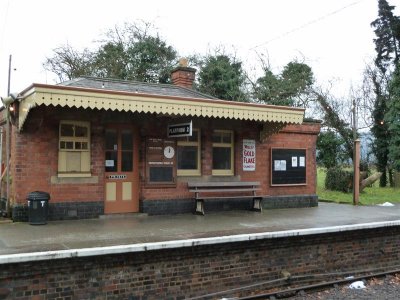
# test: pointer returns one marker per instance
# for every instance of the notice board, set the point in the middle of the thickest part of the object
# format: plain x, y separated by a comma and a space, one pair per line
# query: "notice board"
288, 166
160, 161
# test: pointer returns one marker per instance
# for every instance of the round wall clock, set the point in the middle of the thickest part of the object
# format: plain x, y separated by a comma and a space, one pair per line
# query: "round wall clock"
169, 152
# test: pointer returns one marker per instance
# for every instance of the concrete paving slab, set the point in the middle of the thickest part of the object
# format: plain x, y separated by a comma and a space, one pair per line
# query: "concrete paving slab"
105, 232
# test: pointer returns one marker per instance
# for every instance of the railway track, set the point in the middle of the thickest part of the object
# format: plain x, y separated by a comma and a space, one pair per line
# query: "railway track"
280, 288
303, 290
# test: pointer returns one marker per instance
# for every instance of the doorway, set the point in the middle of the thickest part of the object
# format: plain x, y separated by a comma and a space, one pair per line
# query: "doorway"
121, 169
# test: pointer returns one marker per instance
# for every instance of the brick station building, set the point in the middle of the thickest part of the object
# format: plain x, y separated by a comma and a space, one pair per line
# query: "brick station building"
101, 146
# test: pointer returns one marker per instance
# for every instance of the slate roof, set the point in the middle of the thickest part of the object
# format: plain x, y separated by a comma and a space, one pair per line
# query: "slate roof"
118, 95
135, 87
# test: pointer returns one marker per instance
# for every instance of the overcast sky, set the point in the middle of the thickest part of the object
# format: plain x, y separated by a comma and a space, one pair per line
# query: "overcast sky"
333, 36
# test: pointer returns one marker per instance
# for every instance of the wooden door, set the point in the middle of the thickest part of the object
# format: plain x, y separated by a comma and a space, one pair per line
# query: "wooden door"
121, 170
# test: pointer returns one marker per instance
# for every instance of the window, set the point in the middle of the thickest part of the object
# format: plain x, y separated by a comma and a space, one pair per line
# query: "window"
112, 138
188, 155
74, 149
222, 152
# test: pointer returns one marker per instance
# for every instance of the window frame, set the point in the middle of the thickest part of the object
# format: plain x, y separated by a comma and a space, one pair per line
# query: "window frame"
85, 154
221, 144
183, 143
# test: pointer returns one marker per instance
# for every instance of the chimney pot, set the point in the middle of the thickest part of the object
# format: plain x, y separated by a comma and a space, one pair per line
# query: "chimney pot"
183, 62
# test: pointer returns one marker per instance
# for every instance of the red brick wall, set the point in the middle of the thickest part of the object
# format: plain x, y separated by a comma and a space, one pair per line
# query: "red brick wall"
35, 159
200, 270
293, 136
35, 154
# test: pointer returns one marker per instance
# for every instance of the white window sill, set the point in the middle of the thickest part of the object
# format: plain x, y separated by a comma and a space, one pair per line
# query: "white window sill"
73, 175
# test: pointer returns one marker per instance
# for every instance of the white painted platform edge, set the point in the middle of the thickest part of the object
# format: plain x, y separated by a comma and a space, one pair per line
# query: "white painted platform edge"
142, 247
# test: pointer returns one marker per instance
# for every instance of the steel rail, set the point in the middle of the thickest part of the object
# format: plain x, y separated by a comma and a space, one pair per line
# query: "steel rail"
367, 273
292, 291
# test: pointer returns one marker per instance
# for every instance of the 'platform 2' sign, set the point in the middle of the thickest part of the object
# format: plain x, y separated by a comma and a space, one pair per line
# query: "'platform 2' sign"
178, 130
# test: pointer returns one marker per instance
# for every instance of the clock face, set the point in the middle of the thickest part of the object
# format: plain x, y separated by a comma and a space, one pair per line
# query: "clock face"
169, 152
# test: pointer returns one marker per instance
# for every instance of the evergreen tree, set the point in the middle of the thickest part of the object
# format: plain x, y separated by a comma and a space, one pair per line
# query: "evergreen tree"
222, 76
392, 118
380, 131
111, 60
290, 88
268, 89
297, 79
329, 149
387, 31
151, 60
387, 46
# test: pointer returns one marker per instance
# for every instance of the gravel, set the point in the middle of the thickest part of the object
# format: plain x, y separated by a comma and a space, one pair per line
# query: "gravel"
384, 288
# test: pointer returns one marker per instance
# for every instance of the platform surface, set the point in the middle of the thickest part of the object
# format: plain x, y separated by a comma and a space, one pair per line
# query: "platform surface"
23, 238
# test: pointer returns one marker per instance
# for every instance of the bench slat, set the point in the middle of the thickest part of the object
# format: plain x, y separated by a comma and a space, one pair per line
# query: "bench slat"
228, 197
222, 184
223, 190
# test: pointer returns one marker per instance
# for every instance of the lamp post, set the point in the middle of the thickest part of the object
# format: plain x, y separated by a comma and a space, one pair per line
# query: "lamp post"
7, 102
9, 75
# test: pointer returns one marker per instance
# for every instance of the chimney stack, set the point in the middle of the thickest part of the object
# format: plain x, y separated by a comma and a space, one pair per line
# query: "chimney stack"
183, 75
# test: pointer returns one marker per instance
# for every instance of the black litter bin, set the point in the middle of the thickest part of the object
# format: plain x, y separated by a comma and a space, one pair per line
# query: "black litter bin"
38, 203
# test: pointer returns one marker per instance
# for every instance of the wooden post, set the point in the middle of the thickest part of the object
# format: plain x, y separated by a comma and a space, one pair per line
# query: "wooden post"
356, 182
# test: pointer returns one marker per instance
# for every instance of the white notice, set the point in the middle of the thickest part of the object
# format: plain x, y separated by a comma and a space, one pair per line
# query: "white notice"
109, 163
280, 165
302, 162
294, 161
283, 165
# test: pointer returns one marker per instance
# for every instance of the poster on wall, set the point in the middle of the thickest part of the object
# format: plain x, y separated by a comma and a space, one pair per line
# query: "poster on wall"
249, 155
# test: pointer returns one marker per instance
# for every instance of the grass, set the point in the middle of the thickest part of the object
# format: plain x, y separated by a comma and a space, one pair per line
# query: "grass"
370, 195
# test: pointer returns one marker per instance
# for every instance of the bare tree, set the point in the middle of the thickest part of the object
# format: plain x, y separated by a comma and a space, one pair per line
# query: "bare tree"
336, 115
68, 63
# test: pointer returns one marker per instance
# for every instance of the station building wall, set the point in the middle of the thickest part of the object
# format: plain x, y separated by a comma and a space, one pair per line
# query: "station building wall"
34, 164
